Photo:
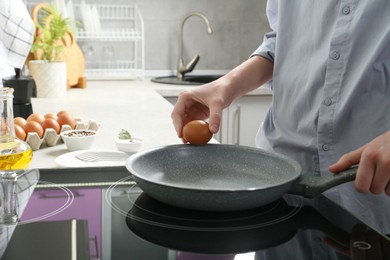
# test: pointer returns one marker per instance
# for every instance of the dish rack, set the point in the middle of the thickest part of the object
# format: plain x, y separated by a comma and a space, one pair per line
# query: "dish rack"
111, 37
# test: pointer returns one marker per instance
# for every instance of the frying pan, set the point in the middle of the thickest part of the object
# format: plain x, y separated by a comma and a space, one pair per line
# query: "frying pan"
219, 177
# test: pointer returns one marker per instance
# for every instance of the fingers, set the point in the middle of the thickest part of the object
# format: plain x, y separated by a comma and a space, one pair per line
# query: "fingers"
373, 174
380, 180
216, 109
346, 161
366, 170
374, 168
215, 122
198, 103
365, 175
387, 189
177, 115
189, 106
177, 121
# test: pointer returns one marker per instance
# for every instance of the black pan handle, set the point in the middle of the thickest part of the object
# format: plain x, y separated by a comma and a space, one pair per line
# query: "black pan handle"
312, 186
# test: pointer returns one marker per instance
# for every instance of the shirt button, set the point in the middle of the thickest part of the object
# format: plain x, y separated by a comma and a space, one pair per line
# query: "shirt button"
346, 10
335, 55
325, 147
328, 101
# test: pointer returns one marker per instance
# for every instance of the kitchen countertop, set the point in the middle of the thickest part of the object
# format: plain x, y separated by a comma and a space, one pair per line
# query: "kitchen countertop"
137, 106
114, 105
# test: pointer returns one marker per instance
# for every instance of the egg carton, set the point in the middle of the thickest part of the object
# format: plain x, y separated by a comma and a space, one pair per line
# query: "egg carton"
51, 138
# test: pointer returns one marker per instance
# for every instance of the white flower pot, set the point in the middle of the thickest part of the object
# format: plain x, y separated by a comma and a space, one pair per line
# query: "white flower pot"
50, 78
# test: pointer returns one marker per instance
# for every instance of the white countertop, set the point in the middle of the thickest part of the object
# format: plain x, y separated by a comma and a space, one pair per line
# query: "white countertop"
114, 105
137, 106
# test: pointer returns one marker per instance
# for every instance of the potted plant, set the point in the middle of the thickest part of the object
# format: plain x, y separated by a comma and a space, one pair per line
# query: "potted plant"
47, 61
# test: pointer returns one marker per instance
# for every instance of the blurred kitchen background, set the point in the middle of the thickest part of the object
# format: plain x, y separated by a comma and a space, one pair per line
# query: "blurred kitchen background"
131, 38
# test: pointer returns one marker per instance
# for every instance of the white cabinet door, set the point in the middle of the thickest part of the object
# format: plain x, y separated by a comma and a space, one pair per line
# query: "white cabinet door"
244, 118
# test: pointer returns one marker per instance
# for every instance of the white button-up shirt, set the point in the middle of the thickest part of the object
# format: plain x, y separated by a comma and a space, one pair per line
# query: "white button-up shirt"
331, 88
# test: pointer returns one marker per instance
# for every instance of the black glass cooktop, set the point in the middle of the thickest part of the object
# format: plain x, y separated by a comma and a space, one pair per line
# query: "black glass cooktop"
280, 230
135, 226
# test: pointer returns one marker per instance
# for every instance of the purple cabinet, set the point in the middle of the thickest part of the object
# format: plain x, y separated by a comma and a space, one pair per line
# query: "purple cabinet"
64, 204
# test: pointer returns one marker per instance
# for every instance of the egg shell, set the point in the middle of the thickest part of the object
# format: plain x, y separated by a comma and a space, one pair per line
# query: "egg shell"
197, 132
20, 133
51, 123
51, 115
33, 127
61, 112
20, 121
36, 117
67, 119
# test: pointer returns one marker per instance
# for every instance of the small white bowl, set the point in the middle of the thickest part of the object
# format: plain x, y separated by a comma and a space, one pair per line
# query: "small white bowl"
78, 139
129, 145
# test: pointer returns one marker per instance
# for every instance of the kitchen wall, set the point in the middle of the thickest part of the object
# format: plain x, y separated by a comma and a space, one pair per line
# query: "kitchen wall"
238, 25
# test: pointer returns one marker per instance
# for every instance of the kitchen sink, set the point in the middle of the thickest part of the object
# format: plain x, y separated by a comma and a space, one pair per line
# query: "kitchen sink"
187, 80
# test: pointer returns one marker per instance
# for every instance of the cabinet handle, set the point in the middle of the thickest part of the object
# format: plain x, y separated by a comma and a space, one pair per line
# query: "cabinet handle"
237, 126
46, 196
96, 255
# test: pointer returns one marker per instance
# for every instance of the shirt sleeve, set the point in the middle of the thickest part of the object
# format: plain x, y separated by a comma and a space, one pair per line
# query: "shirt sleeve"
267, 48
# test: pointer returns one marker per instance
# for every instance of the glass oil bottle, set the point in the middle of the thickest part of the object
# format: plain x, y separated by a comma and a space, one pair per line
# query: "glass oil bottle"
15, 157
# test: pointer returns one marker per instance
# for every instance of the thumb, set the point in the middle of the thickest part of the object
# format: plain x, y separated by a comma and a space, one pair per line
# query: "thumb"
215, 118
346, 161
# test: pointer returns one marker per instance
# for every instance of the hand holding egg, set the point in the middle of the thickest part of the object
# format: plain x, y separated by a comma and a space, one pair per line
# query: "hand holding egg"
197, 132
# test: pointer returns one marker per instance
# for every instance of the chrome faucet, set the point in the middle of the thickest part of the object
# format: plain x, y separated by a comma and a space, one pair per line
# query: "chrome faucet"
181, 68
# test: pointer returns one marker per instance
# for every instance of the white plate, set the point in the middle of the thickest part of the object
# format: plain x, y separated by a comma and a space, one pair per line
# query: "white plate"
70, 160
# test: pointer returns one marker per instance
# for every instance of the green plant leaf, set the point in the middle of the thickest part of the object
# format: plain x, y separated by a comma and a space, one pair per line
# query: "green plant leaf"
52, 27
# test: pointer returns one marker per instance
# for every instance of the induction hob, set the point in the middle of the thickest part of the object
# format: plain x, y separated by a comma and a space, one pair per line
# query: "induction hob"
286, 229
141, 228
276, 231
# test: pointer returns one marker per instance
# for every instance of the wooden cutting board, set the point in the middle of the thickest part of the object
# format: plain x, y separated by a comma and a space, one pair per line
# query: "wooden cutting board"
72, 55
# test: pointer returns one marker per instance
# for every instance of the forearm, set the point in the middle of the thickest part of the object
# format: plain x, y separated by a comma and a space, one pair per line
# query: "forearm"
248, 76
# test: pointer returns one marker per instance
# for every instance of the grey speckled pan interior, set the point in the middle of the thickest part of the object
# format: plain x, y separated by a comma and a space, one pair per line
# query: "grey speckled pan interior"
219, 177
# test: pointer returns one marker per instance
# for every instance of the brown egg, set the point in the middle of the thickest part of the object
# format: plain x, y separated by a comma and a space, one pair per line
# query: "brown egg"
20, 133
197, 132
20, 121
33, 127
66, 119
62, 112
36, 117
50, 115
51, 123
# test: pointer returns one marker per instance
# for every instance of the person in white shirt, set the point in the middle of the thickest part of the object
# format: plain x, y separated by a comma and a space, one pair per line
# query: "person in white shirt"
16, 36
328, 65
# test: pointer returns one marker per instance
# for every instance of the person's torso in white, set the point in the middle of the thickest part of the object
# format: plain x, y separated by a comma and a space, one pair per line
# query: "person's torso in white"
331, 88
